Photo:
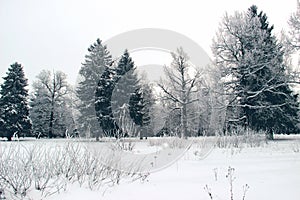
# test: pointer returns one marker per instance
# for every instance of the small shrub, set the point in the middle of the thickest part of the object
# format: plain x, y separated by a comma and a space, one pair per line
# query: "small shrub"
48, 169
239, 139
123, 145
231, 178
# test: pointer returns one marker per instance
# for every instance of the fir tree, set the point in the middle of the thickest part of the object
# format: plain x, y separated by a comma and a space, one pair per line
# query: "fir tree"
14, 110
103, 107
268, 102
125, 87
140, 105
90, 73
108, 81
251, 60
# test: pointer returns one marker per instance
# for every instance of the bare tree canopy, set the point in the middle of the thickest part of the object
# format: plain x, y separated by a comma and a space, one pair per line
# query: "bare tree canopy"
180, 85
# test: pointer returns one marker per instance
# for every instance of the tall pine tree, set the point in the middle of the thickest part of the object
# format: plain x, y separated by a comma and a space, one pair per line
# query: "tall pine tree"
103, 103
14, 110
268, 104
116, 85
95, 63
125, 87
254, 74
140, 104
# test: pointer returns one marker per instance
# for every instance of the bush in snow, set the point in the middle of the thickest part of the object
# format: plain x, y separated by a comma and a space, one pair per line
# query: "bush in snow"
231, 178
241, 137
48, 168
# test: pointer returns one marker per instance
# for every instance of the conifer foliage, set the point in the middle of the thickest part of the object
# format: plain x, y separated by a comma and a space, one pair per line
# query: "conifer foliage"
127, 83
140, 104
103, 97
103, 103
14, 110
96, 61
139, 111
254, 74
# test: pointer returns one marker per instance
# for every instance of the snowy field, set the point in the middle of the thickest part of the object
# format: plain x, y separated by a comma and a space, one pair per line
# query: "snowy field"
269, 171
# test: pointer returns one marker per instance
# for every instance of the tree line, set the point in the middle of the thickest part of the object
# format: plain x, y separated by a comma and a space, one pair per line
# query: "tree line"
250, 86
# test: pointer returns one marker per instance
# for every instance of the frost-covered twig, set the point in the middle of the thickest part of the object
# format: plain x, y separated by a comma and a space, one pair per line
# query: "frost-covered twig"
49, 168
245, 189
231, 178
208, 190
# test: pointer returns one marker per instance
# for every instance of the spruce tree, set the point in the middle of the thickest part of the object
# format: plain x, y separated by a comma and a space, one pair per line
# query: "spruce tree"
103, 107
96, 61
125, 87
14, 110
104, 92
251, 60
268, 102
140, 105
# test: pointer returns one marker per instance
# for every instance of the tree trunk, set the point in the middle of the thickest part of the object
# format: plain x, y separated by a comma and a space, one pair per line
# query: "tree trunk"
184, 132
269, 135
50, 134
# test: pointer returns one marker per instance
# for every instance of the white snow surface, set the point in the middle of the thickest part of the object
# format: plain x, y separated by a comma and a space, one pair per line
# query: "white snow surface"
272, 171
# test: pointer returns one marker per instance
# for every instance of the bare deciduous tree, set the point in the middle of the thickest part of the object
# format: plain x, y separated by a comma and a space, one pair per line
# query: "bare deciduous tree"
294, 23
179, 86
55, 90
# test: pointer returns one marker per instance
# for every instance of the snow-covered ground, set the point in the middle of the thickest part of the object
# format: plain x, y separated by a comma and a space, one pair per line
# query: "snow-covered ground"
272, 171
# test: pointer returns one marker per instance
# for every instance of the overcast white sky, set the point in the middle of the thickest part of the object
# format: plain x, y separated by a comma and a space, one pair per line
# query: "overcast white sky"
55, 34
